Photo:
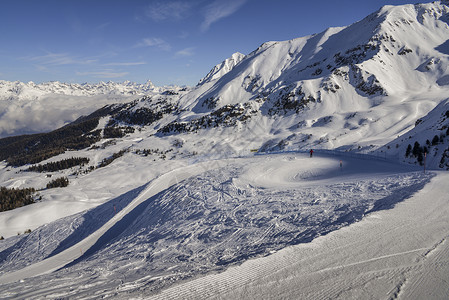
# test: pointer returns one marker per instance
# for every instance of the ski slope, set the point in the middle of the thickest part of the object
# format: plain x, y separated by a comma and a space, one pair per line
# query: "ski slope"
216, 214
75, 252
401, 253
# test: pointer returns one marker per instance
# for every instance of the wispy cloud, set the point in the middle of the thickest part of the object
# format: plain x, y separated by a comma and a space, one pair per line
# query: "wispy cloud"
41, 68
183, 35
58, 59
154, 42
103, 74
102, 26
185, 52
172, 10
126, 64
218, 10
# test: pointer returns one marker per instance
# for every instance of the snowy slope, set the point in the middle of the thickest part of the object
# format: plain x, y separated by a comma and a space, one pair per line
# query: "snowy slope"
228, 213
368, 82
431, 133
396, 254
223, 68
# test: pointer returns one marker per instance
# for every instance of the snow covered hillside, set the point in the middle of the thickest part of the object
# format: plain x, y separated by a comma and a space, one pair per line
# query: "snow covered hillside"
427, 143
184, 224
349, 87
394, 254
169, 184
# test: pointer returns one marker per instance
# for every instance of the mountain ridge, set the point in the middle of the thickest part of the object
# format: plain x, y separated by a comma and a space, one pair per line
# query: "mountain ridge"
329, 90
29, 108
30, 90
335, 86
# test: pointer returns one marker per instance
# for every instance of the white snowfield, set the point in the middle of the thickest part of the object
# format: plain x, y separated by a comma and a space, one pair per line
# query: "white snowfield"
401, 253
206, 217
69, 255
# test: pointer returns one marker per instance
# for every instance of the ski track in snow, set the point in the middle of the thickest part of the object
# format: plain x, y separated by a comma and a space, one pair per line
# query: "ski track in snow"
389, 255
71, 254
204, 218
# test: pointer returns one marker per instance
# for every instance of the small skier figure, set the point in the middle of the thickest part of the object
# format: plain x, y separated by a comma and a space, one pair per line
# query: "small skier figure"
341, 165
311, 152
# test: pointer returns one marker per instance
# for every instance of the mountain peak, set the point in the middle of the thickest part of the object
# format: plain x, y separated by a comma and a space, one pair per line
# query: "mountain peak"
222, 68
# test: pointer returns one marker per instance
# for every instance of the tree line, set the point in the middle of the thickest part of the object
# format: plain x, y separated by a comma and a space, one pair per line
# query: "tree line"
418, 151
59, 165
14, 198
58, 182
34, 148
117, 132
110, 159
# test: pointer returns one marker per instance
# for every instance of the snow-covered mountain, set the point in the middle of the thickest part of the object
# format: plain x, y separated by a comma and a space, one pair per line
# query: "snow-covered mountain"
394, 50
349, 88
31, 108
223, 68
170, 188
31, 91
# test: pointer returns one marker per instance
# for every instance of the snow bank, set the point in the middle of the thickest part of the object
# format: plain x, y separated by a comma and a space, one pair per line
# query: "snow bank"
204, 223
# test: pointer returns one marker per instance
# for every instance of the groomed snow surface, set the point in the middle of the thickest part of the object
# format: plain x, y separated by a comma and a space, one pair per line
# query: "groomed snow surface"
267, 226
392, 254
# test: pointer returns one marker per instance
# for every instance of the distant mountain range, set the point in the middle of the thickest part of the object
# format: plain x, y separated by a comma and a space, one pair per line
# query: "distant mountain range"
31, 91
34, 108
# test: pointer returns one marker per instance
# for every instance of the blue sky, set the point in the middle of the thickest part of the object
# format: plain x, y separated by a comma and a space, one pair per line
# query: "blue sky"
167, 42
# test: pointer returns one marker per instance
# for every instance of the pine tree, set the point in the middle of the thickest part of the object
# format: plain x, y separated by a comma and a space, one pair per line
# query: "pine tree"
59, 182
416, 149
435, 140
408, 150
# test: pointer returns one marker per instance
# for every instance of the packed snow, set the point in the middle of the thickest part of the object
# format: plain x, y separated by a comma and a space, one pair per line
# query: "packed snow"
394, 254
201, 218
